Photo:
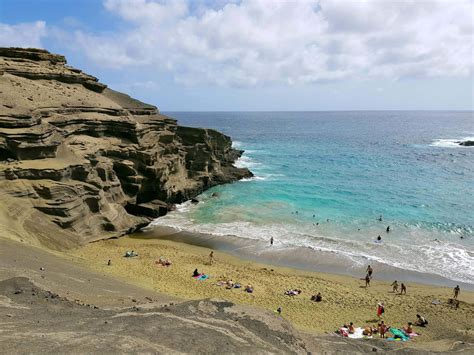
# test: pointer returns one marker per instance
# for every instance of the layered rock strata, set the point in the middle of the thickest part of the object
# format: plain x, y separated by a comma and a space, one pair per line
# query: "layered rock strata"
79, 161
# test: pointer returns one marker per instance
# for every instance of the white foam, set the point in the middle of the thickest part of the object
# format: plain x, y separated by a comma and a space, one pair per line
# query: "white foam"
254, 178
246, 162
415, 251
450, 143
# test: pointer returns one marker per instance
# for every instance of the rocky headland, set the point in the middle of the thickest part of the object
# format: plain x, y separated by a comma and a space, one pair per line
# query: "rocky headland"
80, 162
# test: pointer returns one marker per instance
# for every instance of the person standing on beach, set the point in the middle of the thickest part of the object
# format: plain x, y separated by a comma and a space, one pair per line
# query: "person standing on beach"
395, 286
271, 241
211, 257
382, 329
380, 309
369, 271
403, 289
457, 291
367, 280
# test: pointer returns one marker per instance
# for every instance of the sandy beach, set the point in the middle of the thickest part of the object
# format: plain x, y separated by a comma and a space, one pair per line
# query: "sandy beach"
345, 299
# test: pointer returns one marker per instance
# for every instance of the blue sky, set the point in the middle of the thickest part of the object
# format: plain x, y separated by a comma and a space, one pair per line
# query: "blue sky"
261, 55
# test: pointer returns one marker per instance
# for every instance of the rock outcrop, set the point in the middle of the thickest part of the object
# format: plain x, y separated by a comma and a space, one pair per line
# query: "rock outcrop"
467, 143
53, 323
79, 161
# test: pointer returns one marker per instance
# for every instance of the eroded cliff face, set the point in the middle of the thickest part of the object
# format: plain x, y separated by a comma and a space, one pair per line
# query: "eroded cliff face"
80, 162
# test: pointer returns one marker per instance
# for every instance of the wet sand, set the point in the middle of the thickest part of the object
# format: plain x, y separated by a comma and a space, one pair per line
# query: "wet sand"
345, 299
296, 257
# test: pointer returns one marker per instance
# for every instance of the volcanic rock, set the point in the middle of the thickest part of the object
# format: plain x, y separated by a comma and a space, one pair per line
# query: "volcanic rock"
80, 161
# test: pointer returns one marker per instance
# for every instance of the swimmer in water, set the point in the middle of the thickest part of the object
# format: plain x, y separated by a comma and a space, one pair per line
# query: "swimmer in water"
388, 229
379, 238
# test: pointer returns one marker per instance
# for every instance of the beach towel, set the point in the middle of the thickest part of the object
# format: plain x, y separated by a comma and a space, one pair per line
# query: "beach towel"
411, 335
358, 334
203, 277
198, 276
400, 334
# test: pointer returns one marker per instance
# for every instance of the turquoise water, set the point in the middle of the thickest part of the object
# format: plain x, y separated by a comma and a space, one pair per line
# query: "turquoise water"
322, 179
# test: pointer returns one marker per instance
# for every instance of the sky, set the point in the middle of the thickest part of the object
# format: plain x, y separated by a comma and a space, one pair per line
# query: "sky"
261, 55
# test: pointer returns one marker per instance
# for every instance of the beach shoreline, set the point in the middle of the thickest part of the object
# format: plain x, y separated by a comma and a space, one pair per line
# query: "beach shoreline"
345, 298
306, 259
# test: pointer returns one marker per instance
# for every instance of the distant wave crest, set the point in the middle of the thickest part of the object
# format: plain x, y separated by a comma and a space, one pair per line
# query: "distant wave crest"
450, 142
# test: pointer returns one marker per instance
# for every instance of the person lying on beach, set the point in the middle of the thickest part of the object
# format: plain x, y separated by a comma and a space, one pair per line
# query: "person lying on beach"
408, 329
294, 292
421, 321
164, 262
249, 288
229, 284
369, 331
129, 254
317, 298
395, 286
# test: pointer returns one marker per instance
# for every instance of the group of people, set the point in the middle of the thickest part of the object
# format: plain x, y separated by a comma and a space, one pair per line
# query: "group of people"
382, 328
403, 288
130, 254
295, 292
368, 277
229, 284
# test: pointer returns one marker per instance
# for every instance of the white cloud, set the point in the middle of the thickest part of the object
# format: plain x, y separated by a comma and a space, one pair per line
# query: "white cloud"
265, 42
23, 34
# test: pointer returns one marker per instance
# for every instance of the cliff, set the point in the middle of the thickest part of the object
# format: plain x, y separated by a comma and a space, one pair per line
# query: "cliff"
80, 162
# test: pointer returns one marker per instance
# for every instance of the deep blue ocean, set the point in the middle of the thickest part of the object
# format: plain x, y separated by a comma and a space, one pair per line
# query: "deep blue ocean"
322, 179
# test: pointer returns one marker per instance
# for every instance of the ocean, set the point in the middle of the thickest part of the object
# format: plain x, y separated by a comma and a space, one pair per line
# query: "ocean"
323, 179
